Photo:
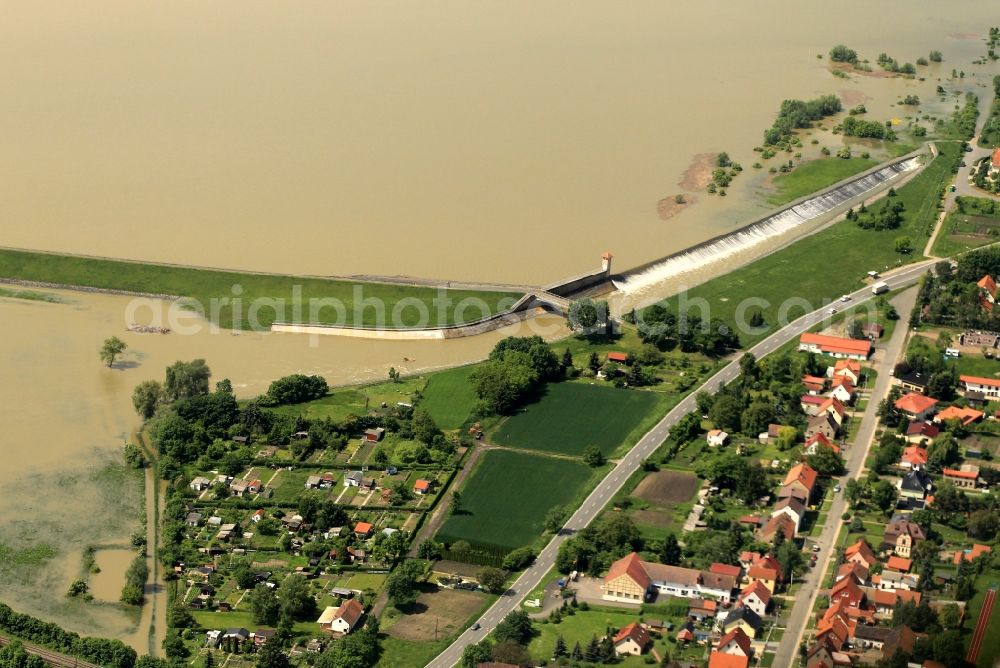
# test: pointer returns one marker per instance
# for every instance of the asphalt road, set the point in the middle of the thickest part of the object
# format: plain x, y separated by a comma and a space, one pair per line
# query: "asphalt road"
854, 461
642, 450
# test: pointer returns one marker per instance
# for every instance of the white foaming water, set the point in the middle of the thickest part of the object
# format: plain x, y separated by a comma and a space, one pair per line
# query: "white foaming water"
719, 249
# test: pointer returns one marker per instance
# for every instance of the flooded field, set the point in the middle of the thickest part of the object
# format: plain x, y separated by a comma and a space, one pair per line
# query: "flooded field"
66, 416
428, 139
107, 584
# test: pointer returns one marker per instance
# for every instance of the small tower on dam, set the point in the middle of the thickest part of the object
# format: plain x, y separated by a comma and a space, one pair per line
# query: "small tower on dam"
606, 258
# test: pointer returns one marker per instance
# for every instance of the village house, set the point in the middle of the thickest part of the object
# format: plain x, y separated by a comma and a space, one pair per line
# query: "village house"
819, 440
861, 553
800, 478
847, 368
914, 456
312, 482
327, 480
853, 570
964, 477
901, 536
915, 406
354, 479
227, 532
810, 404
921, 432
988, 387
258, 516
987, 292
873, 330
835, 346
242, 487
792, 507
894, 580
701, 609
916, 485
630, 579
716, 437
631, 640
842, 389
813, 384
719, 659
617, 357
781, 522
870, 637
757, 597
847, 592
736, 643
193, 519
767, 575
262, 636
422, 486
970, 555
822, 425
234, 639
965, 416
343, 619
884, 601
373, 435
363, 529
742, 618
913, 381
899, 564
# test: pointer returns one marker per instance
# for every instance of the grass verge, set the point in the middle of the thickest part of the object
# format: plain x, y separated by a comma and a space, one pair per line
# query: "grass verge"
814, 176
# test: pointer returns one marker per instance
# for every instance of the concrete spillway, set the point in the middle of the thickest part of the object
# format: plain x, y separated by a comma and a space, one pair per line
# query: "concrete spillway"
774, 225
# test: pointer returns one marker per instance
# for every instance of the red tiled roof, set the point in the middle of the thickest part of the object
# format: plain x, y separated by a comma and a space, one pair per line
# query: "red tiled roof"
979, 380
350, 611
915, 455
850, 365
722, 660
802, 473
996, 158
915, 403
758, 588
966, 415
861, 548
976, 551
617, 357
726, 569
958, 473
632, 566
363, 528
422, 485
812, 399
988, 284
763, 572
837, 344
834, 403
899, 564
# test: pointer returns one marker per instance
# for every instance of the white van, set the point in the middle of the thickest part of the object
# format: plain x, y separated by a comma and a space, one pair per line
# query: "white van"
951, 352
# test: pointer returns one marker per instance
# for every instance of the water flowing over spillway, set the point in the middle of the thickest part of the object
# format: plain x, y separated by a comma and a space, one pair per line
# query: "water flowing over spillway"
723, 247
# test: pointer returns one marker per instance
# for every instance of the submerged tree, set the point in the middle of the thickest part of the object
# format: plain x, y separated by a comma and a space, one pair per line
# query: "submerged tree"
112, 348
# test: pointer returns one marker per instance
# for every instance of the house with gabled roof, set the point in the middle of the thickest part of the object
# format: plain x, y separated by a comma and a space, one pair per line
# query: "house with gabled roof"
781, 522
965, 416
987, 291
757, 597
842, 389
817, 441
847, 592
793, 508
964, 477
719, 659
814, 384
914, 456
901, 535
627, 580
835, 346
801, 477
853, 570
632, 640
343, 619
822, 425
916, 484
735, 642
742, 618
861, 553
716, 437
848, 368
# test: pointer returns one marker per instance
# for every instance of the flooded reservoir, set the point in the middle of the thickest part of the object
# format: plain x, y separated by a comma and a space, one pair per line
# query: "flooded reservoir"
427, 139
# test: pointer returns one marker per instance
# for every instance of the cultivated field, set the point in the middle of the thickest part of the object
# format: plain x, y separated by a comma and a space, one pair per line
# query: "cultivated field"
441, 612
506, 498
449, 397
571, 416
665, 488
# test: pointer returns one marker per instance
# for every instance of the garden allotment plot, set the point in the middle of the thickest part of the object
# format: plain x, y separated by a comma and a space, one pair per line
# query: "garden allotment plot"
505, 501
571, 416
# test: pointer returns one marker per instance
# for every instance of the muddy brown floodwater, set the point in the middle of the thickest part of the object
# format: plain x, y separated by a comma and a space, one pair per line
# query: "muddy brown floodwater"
509, 141
66, 416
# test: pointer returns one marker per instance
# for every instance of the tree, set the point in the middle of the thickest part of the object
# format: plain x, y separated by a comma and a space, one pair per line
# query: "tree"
492, 579
670, 552
272, 656
501, 383
511, 652
726, 413
592, 456
935, 56
826, 462
401, 585
555, 518
567, 360
854, 492
429, 549
424, 427
883, 495
559, 650
111, 349
296, 599
855, 330
264, 606
146, 397
594, 362
186, 379
904, 245
515, 626
843, 54
473, 655
983, 525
